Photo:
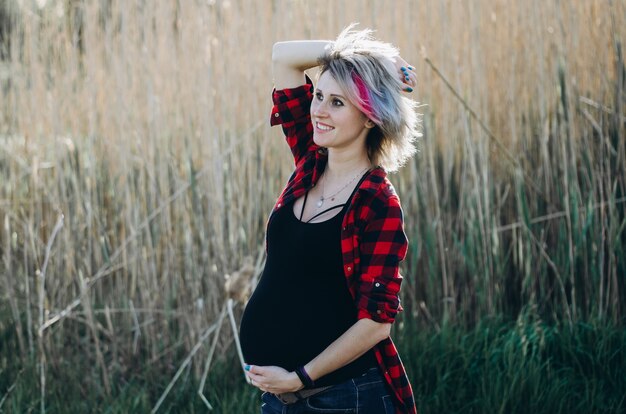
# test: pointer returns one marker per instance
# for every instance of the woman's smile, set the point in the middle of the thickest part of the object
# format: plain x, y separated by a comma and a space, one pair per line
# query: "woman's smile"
322, 128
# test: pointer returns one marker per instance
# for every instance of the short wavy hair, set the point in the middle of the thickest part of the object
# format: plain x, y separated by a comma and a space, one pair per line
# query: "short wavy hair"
364, 69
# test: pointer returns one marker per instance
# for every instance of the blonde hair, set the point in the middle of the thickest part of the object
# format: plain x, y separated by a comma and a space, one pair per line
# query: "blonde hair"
364, 69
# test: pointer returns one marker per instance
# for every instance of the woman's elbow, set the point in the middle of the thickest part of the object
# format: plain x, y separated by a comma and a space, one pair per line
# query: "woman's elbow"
277, 52
384, 330
378, 331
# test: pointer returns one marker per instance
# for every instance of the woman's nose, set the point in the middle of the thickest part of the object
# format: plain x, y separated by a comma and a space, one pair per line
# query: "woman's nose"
319, 109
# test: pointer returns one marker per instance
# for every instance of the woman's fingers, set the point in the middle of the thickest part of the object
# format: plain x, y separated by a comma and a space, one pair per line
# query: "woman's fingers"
257, 377
408, 77
406, 73
257, 381
253, 375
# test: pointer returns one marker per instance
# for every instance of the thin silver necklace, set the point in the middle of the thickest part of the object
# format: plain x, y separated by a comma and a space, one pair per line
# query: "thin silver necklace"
320, 202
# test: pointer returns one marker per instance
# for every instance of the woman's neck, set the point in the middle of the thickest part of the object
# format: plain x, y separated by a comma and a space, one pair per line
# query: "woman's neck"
343, 163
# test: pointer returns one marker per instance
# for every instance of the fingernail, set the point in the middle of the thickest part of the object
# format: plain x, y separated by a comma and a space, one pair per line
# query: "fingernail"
403, 68
247, 367
406, 78
411, 68
409, 89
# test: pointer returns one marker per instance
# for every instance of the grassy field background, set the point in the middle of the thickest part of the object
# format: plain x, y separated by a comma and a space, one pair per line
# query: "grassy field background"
137, 169
517, 367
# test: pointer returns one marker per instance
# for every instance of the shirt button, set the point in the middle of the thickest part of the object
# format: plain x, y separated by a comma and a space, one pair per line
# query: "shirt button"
379, 312
276, 115
377, 284
349, 269
278, 205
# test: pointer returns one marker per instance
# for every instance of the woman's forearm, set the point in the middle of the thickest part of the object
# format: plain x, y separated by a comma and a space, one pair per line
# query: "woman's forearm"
290, 60
357, 340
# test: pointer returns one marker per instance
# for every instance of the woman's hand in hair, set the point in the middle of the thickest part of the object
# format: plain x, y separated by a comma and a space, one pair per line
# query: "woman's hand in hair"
406, 73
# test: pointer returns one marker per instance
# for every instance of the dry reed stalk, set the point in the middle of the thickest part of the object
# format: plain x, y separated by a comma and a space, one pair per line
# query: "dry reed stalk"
11, 388
91, 323
29, 316
41, 279
8, 284
184, 364
209, 359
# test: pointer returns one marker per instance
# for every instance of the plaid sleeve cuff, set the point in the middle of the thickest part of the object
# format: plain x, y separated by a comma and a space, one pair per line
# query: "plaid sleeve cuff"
380, 305
291, 104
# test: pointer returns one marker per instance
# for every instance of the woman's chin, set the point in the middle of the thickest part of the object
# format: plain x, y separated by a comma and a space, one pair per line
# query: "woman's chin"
320, 141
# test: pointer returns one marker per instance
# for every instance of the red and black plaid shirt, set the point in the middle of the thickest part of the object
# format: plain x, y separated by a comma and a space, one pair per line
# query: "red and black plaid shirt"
372, 239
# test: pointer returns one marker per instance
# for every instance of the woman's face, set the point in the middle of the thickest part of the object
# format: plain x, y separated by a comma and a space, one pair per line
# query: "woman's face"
337, 123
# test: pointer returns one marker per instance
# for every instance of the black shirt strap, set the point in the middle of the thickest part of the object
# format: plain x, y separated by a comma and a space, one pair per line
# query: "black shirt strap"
325, 211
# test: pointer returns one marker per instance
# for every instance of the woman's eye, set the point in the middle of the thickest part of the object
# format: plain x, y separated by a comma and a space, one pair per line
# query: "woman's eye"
337, 102
319, 96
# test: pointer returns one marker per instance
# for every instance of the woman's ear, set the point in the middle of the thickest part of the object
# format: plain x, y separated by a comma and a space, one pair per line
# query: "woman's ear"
369, 124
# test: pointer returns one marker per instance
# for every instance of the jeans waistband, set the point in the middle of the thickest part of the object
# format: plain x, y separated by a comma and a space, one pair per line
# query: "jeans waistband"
293, 397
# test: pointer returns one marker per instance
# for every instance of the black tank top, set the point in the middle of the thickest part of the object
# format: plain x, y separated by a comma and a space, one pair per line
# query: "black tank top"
302, 303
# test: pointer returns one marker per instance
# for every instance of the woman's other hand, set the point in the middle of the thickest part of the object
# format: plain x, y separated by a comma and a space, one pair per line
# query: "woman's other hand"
275, 380
406, 73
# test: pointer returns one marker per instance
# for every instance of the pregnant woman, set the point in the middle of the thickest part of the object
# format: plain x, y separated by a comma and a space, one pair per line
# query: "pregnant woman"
315, 333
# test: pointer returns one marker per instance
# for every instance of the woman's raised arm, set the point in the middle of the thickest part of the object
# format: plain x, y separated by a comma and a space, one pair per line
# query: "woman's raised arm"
290, 60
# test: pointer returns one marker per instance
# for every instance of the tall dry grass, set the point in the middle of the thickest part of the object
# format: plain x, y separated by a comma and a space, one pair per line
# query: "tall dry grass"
145, 124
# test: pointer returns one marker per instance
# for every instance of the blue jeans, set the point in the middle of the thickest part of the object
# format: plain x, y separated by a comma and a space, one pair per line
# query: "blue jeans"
366, 394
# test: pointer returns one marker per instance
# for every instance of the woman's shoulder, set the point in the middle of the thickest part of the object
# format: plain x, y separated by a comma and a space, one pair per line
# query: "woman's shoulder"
378, 185
378, 197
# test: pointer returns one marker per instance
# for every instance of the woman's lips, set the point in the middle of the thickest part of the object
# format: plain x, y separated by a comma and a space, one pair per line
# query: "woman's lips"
323, 127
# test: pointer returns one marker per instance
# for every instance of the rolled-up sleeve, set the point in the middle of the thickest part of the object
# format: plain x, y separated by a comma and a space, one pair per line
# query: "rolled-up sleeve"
382, 247
292, 110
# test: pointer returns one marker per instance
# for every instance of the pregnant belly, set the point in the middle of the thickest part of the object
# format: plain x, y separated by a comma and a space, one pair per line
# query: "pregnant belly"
287, 331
